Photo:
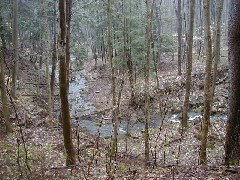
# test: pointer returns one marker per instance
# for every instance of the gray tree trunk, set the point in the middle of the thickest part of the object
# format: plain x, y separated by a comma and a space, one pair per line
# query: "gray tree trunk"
179, 17
54, 54
232, 143
184, 121
219, 9
207, 85
5, 102
15, 49
114, 98
147, 71
46, 56
159, 25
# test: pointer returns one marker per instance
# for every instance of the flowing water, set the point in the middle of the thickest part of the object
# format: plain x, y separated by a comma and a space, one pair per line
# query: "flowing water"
97, 126
197, 116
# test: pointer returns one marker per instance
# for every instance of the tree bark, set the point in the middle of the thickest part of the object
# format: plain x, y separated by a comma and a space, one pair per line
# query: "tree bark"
200, 30
67, 131
54, 54
147, 71
158, 23
46, 56
5, 103
219, 9
232, 143
2, 28
207, 85
4, 94
127, 53
184, 121
68, 34
15, 49
114, 99
185, 10
179, 17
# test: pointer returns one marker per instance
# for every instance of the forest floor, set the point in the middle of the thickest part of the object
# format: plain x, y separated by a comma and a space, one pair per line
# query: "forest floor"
35, 149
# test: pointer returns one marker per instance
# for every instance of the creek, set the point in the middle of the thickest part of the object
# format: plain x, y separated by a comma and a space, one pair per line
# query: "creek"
95, 125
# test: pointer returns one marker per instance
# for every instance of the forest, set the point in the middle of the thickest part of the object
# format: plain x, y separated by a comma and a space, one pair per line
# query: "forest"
120, 89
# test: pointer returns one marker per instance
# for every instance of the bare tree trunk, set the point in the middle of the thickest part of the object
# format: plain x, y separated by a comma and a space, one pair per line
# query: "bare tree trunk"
2, 36
54, 54
5, 103
179, 17
67, 131
200, 30
114, 99
184, 121
207, 85
68, 33
127, 53
217, 43
185, 10
15, 48
3, 89
232, 143
46, 56
158, 22
147, 70
2, 28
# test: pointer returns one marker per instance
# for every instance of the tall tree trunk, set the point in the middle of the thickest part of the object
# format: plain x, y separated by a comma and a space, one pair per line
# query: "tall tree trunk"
2, 27
67, 131
179, 17
147, 71
232, 143
185, 30
184, 121
5, 103
15, 48
127, 54
114, 99
200, 30
54, 54
68, 33
207, 85
3, 90
158, 22
46, 56
216, 55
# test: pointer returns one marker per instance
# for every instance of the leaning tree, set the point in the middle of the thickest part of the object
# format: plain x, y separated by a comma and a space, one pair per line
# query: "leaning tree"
232, 144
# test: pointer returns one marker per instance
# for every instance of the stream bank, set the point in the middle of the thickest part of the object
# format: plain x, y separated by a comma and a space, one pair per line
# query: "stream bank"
90, 99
